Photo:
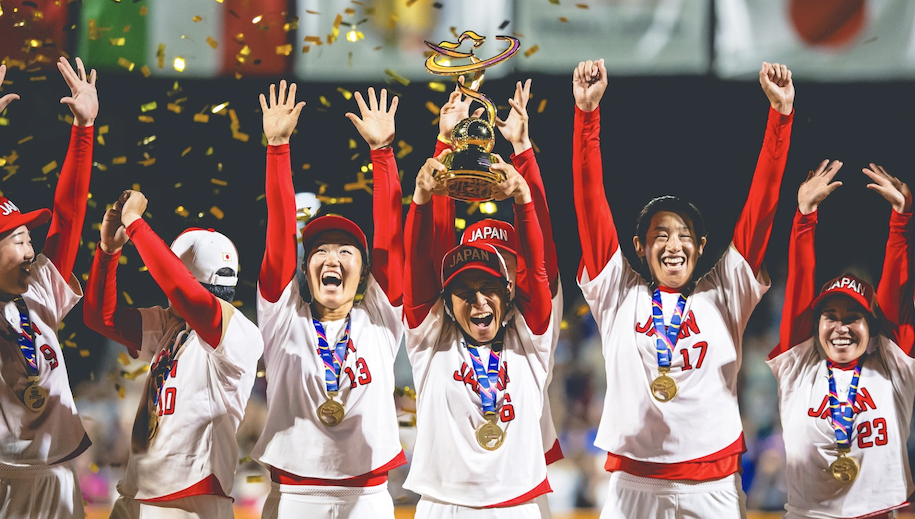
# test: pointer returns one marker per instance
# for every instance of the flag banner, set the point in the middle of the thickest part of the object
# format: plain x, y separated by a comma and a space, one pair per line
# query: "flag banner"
821, 40
186, 38
643, 37
346, 40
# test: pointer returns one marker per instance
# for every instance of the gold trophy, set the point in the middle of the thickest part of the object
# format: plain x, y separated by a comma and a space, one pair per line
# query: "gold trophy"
467, 175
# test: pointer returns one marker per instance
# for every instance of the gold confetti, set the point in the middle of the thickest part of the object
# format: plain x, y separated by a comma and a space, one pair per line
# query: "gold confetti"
26, 139
125, 294
217, 212
160, 55
432, 107
146, 141
291, 26
174, 107
257, 18
239, 136
472, 208
213, 43
179, 64
148, 107
117, 42
313, 39
530, 52
93, 467
119, 160
405, 149
581, 6
124, 62
255, 479
305, 49
197, 18
554, 2
145, 70
564, 325
38, 78
180, 210
4, 121
396, 77
284, 50
49, 167
346, 93
311, 12
563, 19
437, 86
349, 11
338, 20
542, 106
145, 118
460, 223
143, 11
220, 107
324, 101
201, 118
146, 163
83, 353
122, 392
123, 359
218, 182
353, 35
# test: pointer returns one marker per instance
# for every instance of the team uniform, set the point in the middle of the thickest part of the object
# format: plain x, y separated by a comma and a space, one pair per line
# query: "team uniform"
526, 164
38, 442
453, 472
660, 452
205, 352
320, 470
885, 391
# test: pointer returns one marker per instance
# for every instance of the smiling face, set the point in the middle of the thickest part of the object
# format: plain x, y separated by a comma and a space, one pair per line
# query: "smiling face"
671, 249
842, 329
333, 269
479, 302
16, 256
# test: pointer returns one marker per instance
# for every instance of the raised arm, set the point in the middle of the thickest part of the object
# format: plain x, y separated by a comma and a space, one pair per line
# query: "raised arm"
101, 311
8, 98
800, 291
515, 129
596, 230
895, 290
376, 126
72, 193
751, 235
533, 299
280, 118
194, 303
421, 284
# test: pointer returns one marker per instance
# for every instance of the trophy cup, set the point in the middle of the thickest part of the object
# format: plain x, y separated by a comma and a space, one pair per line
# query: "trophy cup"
467, 175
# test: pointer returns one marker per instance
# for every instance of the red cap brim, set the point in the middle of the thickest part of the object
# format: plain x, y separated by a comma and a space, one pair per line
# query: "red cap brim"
31, 220
332, 222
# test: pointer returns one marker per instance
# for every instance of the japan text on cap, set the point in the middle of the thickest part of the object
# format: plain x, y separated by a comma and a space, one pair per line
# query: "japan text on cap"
11, 217
478, 256
495, 232
859, 290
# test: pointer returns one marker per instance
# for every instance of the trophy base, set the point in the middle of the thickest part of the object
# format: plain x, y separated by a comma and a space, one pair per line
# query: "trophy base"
468, 176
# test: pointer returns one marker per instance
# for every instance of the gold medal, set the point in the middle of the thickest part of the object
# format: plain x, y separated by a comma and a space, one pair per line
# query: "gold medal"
490, 436
663, 388
331, 412
153, 427
35, 396
845, 469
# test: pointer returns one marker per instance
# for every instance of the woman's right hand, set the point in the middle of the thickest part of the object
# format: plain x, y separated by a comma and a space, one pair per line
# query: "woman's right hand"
818, 186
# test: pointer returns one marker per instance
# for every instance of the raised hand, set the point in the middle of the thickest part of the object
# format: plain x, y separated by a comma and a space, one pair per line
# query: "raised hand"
83, 98
776, 82
114, 234
8, 98
514, 185
454, 111
515, 127
133, 206
281, 115
377, 123
818, 186
426, 183
895, 191
589, 81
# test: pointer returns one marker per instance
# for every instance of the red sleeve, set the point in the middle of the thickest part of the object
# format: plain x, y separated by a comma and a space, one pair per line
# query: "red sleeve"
596, 230
279, 264
387, 210
533, 300
751, 236
420, 273
101, 311
444, 238
797, 317
193, 302
527, 166
70, 200
895, 291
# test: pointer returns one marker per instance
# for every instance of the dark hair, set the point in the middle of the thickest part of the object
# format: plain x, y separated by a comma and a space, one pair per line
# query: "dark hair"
674, 205
225, 293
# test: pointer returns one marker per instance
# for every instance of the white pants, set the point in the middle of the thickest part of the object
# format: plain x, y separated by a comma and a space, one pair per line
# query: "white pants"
429, 508
194, 507
633, 496
41, 493
301, 501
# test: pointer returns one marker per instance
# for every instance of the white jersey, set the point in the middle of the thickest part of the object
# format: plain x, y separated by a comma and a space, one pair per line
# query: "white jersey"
547, 427
448, 464
883, 410
294, 439
45, 437
703, 418
201, 404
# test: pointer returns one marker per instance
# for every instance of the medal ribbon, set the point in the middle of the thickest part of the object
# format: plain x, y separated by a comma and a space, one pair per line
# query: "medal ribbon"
486, 378
843, 415
333, 358
27, 338
163, 368
667, 335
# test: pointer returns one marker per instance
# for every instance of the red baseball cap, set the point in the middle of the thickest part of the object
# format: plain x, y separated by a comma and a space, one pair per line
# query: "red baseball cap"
11, 217
473, 256
332, 222
851, 286
494, 232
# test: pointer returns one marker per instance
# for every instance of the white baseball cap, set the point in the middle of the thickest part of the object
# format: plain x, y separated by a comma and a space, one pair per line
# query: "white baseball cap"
204, 252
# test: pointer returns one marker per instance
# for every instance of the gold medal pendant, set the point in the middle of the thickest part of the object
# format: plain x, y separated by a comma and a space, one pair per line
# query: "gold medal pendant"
845, 469
490, 436
663, 388
153, 427
331, 412
35, 396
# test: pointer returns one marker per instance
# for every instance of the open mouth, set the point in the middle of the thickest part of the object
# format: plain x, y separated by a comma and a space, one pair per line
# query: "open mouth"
842, 343
482, 320
331, 280
674, 262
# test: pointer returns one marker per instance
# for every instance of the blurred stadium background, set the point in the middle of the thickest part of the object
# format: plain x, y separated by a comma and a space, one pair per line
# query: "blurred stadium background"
178, 85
